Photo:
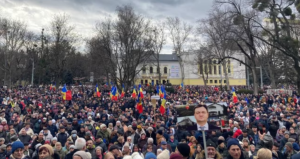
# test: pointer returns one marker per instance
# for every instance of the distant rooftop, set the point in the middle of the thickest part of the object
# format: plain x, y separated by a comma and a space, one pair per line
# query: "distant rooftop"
168, 57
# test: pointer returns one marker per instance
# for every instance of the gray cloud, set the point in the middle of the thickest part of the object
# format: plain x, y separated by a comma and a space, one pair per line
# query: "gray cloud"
85, 13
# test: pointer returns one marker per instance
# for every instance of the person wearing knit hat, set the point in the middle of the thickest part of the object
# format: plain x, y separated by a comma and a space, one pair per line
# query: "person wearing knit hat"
234, 149
165, 154
47, 151
136, 155
289, 150
183, 149
150, 155
17, 149
81, 155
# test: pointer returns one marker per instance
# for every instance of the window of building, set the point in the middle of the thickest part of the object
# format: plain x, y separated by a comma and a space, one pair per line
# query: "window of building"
142, 81
156, 81
224, 81
144, 70
151, 69
210, 81
216, 81
165, 70
220, 81
168, 81
215, 69
152, 81
157, 70
146, 81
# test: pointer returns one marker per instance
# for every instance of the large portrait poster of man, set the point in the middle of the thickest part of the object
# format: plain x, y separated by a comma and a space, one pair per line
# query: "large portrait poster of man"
200, 117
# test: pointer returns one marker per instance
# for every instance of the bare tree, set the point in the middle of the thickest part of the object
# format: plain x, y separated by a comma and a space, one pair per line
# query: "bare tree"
217, 39
159, 40
14, 32
62, 40
243, 31
282, 29
126, 44
179, 34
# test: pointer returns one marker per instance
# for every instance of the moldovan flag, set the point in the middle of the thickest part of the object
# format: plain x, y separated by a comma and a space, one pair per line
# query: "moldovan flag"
133, 95
234, 97
141, 92
69, 95
63, 92
114, 93
97, 93
123, 93
162, 108
161, 94
181, 85
139, 106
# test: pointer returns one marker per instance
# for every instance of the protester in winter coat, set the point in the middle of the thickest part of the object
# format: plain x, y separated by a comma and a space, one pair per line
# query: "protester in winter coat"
58, 149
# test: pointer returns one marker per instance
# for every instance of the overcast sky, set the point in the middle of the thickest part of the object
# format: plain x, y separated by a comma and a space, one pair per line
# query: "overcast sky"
85, 13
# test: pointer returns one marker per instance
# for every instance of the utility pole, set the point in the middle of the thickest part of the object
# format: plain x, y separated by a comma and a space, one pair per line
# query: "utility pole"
5, 53
32, 72
261, 77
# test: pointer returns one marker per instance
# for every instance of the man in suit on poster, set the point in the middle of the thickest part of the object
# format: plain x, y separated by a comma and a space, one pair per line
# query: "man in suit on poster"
201, 115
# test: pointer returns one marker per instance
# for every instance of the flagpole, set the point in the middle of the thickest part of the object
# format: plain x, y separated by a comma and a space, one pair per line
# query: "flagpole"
204, 142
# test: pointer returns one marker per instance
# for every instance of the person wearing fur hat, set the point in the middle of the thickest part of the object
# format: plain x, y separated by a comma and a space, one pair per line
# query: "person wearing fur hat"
211, 152
46, 151
165, 154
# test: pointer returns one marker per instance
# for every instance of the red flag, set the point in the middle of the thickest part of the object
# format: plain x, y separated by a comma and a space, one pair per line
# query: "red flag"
139, 107
69, 95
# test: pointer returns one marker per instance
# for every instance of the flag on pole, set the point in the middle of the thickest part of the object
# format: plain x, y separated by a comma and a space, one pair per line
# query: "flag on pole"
141, 91
161, 91
139, 106
181, 85
97, 93
162, 108
234, 97
64, 91
133, 95
123, 93
114, 93
152, 83
69, 95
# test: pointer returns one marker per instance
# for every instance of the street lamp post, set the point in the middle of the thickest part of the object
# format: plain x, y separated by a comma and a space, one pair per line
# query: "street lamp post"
32, 72
261, 77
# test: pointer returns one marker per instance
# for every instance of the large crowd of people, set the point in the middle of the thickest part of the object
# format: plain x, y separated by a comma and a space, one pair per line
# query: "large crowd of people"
36, 123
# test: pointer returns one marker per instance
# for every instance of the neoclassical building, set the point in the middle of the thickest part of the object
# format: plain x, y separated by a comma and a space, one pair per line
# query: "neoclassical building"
194, 70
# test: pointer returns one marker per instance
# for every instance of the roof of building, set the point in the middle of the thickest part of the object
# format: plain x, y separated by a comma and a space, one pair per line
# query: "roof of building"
168, 57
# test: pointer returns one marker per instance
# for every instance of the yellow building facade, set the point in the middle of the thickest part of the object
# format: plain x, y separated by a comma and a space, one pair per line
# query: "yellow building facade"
193, 71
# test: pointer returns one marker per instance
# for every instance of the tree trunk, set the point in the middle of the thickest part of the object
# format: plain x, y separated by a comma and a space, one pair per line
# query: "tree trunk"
159, 74
255, 84
272, 77
182, 71
226, 75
